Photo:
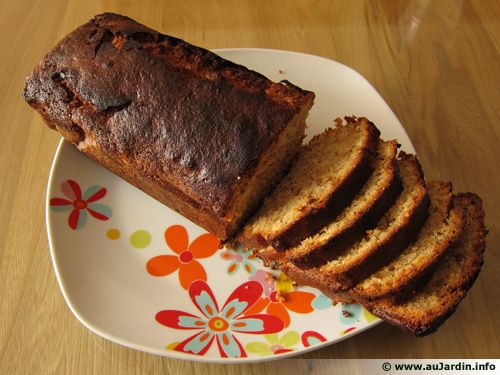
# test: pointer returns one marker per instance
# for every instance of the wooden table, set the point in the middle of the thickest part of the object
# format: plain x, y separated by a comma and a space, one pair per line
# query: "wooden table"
436, 63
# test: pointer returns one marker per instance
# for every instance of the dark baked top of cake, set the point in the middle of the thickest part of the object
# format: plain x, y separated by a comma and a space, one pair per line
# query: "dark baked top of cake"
178, 113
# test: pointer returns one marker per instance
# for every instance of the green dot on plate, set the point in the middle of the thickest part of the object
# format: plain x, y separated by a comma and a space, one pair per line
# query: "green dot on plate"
140, 239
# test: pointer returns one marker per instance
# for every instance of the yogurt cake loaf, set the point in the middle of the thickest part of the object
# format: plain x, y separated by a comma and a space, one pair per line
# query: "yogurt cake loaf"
207, 137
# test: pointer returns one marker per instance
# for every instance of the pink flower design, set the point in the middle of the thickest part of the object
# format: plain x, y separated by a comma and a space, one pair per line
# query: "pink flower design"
220, 324
266, 280
79, 204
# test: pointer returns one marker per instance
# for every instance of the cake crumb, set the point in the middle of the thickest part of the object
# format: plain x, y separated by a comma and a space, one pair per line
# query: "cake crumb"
346, 313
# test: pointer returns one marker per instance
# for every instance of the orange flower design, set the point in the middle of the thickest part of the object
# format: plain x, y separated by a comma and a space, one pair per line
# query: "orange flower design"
190, 269
282, 299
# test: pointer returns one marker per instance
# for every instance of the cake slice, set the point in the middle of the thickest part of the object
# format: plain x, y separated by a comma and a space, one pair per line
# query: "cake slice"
397, 229
375, 198
440, 231
425, 311
325, 178
432, 301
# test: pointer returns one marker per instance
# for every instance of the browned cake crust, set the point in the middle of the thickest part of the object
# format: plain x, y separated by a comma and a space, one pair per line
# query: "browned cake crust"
183, 124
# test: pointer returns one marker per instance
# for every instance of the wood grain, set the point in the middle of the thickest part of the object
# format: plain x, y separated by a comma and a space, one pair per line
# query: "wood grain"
436, 63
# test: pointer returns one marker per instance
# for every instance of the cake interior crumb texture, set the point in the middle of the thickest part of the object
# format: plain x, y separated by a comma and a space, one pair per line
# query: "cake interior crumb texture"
441, 229
439, 297
270, 169
379, 244
376, 246
328, 161
397, 216
359, 213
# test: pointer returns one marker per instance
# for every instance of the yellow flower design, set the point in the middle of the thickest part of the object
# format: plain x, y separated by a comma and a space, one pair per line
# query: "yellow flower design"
274, 344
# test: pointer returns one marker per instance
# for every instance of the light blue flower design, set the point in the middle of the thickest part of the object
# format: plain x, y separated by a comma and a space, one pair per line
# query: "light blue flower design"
239, 258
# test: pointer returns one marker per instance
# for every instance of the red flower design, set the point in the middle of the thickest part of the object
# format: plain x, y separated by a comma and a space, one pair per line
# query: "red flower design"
79, 204
220, 324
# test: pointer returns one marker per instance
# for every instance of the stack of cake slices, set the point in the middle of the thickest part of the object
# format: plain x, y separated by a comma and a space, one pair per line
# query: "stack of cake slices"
359, 221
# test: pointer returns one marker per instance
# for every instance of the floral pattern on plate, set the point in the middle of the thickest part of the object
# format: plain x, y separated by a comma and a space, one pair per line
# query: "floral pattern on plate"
262, 305
220, 324
239, 258
79, 204
185, 260
312, 338
282, 298
274, 344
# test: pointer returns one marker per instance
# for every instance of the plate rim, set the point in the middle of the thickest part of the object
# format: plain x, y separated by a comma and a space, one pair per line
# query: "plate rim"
62, 145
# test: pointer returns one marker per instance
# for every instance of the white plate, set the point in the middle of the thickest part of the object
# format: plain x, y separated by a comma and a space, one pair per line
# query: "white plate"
105, 265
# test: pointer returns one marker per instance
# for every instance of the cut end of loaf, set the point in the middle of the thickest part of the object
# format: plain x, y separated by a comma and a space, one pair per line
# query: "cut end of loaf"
325, 177
270, 169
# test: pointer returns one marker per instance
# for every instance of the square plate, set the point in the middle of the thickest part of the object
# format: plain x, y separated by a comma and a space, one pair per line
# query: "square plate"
139, 274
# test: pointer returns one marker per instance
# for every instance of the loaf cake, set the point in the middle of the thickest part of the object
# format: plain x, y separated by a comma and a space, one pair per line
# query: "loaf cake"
207, 137
326, 176
454, 275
